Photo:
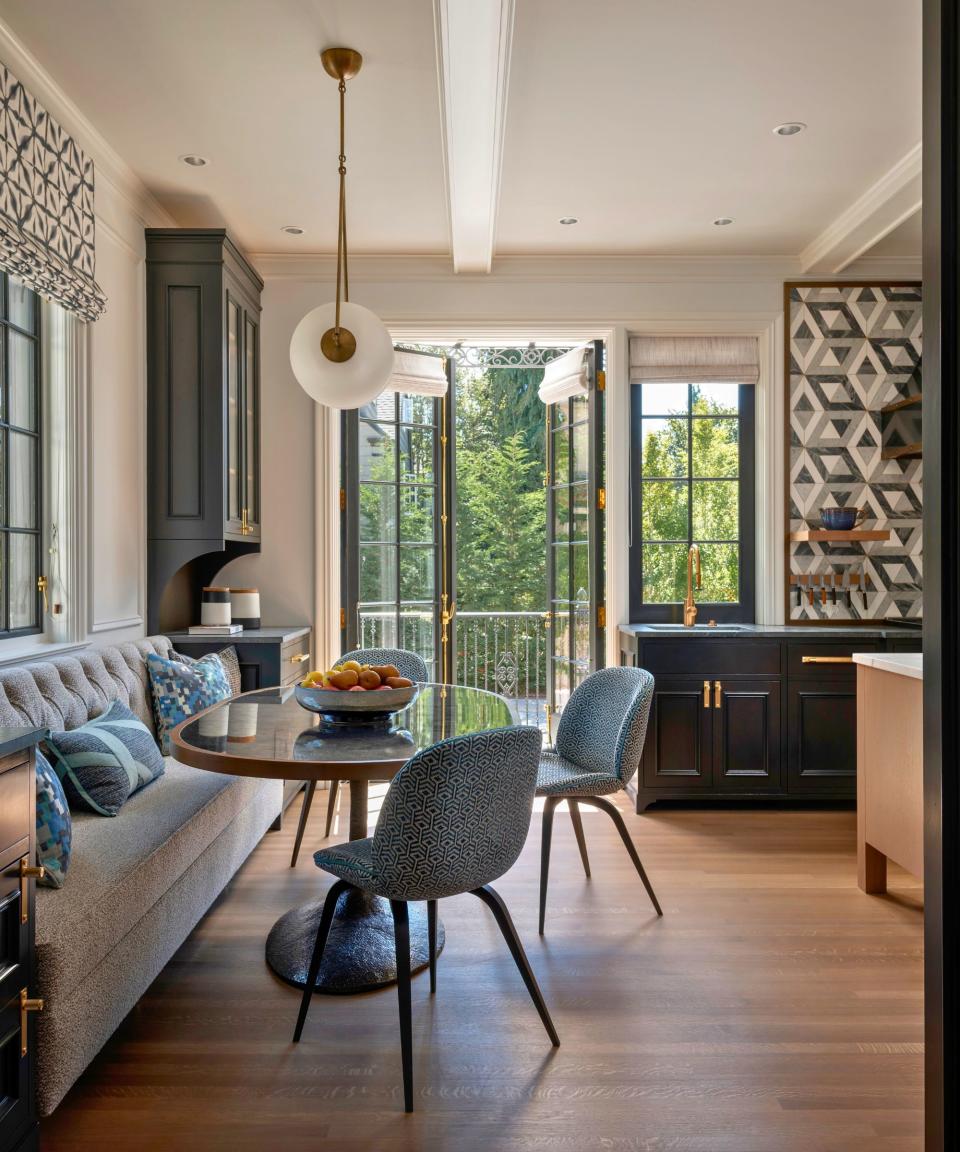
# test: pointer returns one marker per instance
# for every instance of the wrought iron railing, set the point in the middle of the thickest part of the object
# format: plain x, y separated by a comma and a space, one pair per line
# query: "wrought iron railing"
502, 652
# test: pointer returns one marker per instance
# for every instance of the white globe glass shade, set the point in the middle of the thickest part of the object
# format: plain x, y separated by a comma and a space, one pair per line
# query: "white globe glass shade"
353, 382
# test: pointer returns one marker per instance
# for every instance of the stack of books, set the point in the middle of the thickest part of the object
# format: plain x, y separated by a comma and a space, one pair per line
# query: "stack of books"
215, 629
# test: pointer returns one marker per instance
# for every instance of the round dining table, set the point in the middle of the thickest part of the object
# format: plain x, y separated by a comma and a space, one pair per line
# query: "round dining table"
267, 734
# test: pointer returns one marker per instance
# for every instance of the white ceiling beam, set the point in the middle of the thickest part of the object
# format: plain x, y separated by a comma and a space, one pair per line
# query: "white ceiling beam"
895, 197
473, 60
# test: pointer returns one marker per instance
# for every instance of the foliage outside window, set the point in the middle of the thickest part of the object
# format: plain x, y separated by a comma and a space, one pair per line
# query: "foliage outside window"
695, 486
20, 423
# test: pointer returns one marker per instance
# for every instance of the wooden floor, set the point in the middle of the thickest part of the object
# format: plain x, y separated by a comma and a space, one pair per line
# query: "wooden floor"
774, 1008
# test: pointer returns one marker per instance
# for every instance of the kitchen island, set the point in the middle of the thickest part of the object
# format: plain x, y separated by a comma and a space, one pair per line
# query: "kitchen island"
889, 765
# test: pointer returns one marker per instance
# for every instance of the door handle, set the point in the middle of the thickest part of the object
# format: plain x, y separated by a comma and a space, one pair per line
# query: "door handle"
706, 693
300, 658
717, 691
27, 872
826, 659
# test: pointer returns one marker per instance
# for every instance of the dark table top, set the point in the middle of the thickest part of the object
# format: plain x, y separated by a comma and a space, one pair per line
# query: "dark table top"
268, 734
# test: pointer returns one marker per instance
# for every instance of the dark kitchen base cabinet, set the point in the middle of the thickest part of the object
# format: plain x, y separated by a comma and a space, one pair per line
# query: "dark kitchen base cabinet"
766, 713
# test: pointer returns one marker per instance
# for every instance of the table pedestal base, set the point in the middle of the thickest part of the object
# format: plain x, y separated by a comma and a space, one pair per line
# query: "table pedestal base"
360, 955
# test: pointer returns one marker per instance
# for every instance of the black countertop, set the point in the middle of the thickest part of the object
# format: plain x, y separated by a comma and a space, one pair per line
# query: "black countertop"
881, 631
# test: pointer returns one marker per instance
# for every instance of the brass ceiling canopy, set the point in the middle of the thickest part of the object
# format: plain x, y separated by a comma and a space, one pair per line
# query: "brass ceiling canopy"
341, 63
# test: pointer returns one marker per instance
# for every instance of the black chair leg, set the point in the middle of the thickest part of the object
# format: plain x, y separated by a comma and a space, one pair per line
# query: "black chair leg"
302, 823
546, 837
432, 938
496, 905
401, 934
332, 806
578, 832
323, 931
614, 813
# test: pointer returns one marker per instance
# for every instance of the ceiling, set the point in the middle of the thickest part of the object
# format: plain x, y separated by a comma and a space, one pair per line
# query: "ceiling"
644, 119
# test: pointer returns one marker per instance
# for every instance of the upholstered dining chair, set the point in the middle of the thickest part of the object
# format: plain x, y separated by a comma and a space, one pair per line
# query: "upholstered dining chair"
597, 753
454, 819
408, 664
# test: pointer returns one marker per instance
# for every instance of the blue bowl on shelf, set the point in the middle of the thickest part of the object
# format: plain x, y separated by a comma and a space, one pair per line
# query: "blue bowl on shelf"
841, 519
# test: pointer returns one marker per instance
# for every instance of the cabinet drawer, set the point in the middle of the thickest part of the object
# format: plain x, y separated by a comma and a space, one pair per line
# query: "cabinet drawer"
293, 666
721, 657
822, 658
16, 805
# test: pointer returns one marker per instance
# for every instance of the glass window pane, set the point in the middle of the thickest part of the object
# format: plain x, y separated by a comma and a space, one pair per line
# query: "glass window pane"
561, 570
720, 567
664, 399
252, 403
580, 408
417, 633
378, 572
416, 454
416, 573
664, 512
377, 444
580, 496
418, 409
23, 580
716, 447
377, 626
665, 448
561, 456
21, 386
715, 399
417, 515
378, 513
580, 564
716, 510
561, 683
581, 639
22, 512
22, 305
383, 408
234, 501
561, 628
581, 451
664, 573
561, 513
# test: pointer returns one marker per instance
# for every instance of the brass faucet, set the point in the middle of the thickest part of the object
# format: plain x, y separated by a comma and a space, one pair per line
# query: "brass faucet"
689, 605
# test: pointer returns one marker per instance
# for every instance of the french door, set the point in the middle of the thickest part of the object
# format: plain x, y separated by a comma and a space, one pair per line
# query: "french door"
576, 499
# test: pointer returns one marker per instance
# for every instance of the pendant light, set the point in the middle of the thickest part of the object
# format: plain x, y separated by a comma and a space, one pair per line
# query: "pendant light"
341, 354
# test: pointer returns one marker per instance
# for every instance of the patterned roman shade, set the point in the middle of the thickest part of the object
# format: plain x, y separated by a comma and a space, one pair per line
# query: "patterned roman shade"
46, 204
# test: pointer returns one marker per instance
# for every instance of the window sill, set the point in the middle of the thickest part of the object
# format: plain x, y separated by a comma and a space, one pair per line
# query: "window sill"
18, 651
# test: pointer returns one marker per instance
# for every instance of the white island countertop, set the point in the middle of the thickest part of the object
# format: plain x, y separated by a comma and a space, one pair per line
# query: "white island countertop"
900, 663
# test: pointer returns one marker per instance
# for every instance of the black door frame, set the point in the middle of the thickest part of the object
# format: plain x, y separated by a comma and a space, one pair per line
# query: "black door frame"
941, 545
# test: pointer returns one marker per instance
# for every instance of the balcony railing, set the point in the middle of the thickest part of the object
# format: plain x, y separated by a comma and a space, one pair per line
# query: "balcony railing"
502, 652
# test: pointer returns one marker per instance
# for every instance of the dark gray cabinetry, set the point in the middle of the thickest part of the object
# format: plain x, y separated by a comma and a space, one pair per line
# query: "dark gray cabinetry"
203, 431
268, 657
761, 712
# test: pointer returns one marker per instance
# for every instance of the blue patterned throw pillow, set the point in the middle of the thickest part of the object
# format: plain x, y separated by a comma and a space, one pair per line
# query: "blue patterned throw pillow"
181, 690
103, 762
54, 826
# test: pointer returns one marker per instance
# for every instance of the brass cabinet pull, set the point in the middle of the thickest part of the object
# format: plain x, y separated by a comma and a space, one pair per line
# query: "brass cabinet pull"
706, 693
300, 658
717, 690
826, 659
26, 1005
27, 873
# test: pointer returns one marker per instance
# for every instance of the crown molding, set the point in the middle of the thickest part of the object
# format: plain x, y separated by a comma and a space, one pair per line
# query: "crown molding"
895, 197
109, 165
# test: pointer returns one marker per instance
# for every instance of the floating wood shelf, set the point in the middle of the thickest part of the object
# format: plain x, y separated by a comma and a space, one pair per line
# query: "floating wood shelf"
906, 402
855, 535
902, 452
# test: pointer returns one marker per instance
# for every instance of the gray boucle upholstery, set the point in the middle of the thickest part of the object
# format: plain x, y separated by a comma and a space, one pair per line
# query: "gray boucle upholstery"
139, 882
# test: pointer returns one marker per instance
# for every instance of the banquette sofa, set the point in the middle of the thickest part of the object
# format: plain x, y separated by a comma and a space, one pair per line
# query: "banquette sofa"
139, 882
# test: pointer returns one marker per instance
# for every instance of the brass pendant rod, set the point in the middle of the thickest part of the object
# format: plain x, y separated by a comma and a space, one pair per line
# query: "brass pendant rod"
342, 214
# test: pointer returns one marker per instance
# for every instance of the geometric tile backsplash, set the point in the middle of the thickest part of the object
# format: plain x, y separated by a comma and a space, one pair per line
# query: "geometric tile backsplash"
851, 350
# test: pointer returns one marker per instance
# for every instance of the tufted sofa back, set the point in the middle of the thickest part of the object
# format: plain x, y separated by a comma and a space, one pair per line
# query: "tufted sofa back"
64, 693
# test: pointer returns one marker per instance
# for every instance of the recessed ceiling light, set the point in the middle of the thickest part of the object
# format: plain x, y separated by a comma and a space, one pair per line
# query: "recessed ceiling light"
292, 230
722, 221
569, 220
791, 128
195, 161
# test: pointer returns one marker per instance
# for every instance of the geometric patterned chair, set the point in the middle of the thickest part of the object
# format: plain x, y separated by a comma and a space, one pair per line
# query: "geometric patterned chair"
598, 748
454, 819
408, 664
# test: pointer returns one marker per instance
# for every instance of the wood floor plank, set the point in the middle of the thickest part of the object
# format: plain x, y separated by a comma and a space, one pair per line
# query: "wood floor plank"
774, 1008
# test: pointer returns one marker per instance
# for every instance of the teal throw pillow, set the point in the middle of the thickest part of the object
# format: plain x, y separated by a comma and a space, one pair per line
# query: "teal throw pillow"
181, 690
54, 825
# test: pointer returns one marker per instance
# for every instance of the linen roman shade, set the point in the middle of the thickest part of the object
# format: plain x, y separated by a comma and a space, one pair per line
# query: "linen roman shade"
418, 373
46, 204
694, 359
568, 375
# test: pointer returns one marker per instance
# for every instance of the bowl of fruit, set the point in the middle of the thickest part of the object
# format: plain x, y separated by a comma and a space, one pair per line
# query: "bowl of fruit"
353, 693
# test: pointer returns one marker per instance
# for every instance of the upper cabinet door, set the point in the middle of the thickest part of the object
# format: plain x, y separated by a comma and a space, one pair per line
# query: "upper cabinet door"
251, 425
233, 457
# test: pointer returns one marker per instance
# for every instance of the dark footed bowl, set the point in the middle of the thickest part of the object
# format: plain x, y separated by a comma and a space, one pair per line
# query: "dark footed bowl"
356, 707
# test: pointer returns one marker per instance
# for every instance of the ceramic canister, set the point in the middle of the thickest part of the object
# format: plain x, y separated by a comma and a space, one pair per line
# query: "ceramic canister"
215, 606
245, 606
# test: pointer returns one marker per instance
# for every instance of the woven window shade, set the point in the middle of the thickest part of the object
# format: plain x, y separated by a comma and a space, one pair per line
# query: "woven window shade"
694, 359
46, 205
418, 373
